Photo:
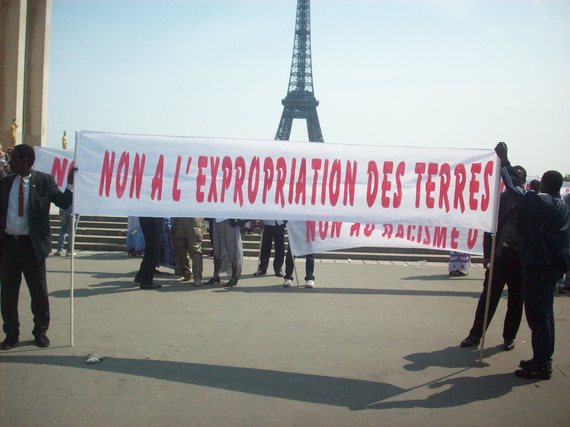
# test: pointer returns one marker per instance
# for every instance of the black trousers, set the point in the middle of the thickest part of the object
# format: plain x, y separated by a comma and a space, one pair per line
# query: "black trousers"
152, 232
506, 271
272, 233
309, 266
17, 258
539, 309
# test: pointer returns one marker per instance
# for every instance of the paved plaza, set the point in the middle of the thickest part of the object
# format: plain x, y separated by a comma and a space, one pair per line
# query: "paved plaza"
374, 343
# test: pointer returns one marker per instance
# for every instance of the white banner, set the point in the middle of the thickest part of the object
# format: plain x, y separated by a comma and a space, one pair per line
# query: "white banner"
226, 178
307, 237
56, 162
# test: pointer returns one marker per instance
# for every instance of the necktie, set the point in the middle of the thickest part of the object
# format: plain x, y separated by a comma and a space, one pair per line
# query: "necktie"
21, 198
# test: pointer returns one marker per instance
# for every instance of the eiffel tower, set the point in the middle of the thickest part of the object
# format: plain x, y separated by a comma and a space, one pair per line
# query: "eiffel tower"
300, 102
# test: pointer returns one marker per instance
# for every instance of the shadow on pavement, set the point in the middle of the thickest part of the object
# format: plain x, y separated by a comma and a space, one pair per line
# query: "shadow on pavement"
450, 357
350, 393
345, 392
459, 391
439, 277
354, 291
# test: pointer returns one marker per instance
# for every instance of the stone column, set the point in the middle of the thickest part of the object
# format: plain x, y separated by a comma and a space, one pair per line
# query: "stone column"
12, 62
24, 60
36, 74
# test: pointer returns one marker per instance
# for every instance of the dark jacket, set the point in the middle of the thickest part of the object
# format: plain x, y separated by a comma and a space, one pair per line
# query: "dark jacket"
546, 227
43, 191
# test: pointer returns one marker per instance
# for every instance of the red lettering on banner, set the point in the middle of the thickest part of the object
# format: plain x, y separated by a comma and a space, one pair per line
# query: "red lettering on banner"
301, 186
201, 178
188, 164
137, 176
334, 183
411, 228
324, 184
430, 185
372, 184
281, 166
427, 238
240, 177
369, 229
122, 174
213, 192
386, 184
323, 229
253, 180
156, 186
315, 166
175, 190
440, 237
387, 170
226, 176
472, 238
267, 178
419, 170
292, 181
400, 171
474, 186
486, 198
453, 238
388, 229
107, 173
60, 170
444, 182
310, 231
460, 180
355, 229
349, 183
399, 232
336, 228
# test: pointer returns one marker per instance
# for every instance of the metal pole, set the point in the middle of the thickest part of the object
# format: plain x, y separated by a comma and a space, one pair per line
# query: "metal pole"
71, 280
491, 267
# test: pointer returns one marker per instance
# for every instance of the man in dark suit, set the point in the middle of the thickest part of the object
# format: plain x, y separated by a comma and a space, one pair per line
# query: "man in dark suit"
25, 241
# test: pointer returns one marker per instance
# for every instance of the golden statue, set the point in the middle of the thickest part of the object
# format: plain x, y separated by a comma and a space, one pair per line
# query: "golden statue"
64, 140
13, 128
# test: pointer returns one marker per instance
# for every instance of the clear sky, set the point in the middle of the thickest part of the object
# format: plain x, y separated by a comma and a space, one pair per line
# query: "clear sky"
430, 73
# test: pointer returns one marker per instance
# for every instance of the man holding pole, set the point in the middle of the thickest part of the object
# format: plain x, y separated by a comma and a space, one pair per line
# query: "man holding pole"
545, 254
507, 270
25, 240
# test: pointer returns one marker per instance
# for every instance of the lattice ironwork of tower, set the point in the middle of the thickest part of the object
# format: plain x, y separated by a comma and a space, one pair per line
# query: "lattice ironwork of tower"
300, 102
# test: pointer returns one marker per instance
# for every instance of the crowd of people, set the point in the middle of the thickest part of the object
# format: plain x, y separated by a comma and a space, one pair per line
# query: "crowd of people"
531, 252
155, 238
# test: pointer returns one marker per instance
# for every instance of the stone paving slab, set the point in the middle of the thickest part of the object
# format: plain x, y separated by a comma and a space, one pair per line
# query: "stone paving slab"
372, 344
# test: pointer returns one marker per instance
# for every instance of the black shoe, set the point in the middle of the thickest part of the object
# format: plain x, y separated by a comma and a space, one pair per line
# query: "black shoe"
9, 342
279, 273
41, 340
527, 364
534, 374
259, 273
213, 280
470, 341
508, 345
231, 282
150, 286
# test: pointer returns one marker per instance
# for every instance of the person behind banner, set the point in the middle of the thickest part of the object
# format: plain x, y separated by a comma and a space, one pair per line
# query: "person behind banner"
290, 267
545, 254
25, 240
273, 232
507, 270
152, 233
459, 264
66, 221
227, 244
187, 234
